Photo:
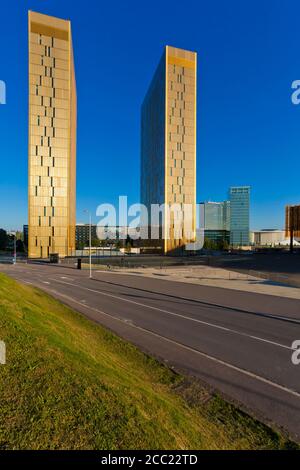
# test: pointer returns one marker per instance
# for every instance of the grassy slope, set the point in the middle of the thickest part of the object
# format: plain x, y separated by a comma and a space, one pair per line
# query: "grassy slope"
69, 383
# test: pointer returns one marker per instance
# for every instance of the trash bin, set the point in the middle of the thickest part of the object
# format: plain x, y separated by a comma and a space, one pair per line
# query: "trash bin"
79, 263
54, 258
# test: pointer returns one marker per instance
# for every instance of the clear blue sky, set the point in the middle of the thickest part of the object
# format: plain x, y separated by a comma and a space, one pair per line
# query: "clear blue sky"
248, 129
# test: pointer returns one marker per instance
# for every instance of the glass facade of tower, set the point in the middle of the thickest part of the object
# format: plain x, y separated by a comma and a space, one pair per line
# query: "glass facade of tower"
217, 215
153, 140
52, 137
216, 220
239, 197
168, 140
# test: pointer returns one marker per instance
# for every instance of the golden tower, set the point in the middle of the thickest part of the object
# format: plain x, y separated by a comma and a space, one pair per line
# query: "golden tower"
168, 141
52, 137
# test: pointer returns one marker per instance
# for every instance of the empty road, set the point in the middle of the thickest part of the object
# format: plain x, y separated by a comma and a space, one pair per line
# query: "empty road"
237, 342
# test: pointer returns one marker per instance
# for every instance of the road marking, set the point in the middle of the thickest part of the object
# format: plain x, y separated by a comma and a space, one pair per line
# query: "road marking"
263, 315
213, 325
188, 348
209, 304
45, 282
116, 272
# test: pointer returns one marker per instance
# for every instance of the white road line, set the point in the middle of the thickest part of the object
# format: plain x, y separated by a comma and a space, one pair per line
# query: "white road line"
188, 348
116, 272
268, 315
213, 325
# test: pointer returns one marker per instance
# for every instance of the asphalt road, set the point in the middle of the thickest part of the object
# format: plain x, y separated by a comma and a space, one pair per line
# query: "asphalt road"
282, 266
237, 342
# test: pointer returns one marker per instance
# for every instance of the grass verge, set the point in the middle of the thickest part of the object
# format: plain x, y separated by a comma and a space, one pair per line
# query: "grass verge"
71, 384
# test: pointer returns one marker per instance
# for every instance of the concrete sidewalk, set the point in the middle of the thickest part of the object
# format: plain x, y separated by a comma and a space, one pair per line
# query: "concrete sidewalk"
213, 277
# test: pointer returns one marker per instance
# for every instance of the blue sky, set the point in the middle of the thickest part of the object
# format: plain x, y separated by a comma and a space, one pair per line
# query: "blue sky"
248, 129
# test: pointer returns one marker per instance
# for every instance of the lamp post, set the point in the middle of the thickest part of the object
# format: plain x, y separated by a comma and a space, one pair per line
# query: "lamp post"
90, 239
15, 249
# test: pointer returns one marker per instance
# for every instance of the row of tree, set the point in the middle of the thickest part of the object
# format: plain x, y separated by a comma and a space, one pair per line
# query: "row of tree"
221, 245
7, 241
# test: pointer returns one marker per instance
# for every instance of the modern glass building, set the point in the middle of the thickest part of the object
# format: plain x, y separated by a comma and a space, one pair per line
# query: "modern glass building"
52, 137
216, 215
239, 197
216, 220
168, 142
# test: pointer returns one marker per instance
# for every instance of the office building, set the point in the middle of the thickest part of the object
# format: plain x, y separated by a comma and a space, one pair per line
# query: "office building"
168, 144
239, 197
216, 221
52, 137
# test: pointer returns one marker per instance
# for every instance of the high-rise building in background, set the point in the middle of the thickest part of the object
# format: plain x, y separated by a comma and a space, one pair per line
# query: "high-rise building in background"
292, 221
239, 197
215, 217
168, 140
25, 235
52, 137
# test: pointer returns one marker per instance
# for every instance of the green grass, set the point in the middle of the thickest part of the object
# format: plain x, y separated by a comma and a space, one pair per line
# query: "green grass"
71, 384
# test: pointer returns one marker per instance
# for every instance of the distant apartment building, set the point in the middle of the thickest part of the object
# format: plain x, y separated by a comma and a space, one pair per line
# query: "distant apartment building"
52, 137
168, 143
239, 197
292, 221
215, 217
83, 234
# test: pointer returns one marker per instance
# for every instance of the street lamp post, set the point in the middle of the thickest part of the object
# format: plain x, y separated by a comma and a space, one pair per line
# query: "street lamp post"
90, 240
15, 248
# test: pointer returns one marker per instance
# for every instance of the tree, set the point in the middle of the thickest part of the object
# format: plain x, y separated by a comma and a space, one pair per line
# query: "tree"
20, 246
118, 244
3, 239
210, 244
20, 235
128, 244
79, 246
96, 242
225, 245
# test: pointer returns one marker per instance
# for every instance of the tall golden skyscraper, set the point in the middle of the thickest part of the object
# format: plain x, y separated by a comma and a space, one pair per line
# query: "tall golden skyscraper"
52, 137
168, 141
